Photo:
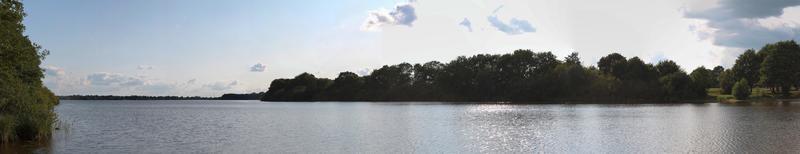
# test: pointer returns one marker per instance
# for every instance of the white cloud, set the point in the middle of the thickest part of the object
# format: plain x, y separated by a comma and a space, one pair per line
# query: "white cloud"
114, 79
144, 67
191, 81
53, 71
221, 85
364, 72
402, 14
258, 68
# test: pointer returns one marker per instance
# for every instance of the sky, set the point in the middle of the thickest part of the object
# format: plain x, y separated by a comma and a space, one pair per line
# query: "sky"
208, 48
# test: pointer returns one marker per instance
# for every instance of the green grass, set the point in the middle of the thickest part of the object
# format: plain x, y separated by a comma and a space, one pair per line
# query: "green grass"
758, 95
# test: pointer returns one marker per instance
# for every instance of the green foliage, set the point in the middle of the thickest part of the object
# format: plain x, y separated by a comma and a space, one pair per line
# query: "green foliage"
667, 67
26, 106
747, 66
781, 66
302, 87
573, 59
726, 81
715, 73
614, 64
702, 79
345, 87
741, 90
677, 86
519, 76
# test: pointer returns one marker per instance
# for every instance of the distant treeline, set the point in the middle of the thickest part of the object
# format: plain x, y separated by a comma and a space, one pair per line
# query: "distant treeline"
529, 76
250, 96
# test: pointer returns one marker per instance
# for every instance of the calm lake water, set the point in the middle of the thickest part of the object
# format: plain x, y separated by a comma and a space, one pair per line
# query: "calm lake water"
350, 127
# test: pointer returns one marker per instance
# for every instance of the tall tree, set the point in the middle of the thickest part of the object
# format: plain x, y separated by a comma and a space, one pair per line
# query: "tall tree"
780, 66
613, 64
702, 79
573, 58
390, 81
715, 73
345, 87
667, 67
747, 67
726, 81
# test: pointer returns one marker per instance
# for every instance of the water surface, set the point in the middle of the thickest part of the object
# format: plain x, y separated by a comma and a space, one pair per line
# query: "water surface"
349, 127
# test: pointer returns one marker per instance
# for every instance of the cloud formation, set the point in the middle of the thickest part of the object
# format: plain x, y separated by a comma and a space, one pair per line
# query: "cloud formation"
53, 71
514, 27
111, 79
736, 23
364, 72
739, 9
144, 67
258, 68
220, 86
402, 14
466, 24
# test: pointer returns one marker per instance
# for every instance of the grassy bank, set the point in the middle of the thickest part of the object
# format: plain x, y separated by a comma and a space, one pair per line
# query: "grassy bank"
758, 95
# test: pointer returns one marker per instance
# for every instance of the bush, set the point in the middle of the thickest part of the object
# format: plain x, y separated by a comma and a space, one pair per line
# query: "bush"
741, 90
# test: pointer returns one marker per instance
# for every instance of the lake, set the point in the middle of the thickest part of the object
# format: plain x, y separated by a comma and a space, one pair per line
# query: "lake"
422, 127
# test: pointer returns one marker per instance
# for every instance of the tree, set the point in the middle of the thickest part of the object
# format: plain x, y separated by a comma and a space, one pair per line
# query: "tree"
425, 75
613, 64
677, 86
741, 90
345, 87
573, 59
425, 83
747, 66
26, 106
522, 75
780, 66
667, 67
726, 81
702, 79
303, 87
638, 70
390, 81
640, 81
715, 73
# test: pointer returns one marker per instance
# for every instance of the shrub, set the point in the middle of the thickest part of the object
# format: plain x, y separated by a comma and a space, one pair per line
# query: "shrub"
741, 90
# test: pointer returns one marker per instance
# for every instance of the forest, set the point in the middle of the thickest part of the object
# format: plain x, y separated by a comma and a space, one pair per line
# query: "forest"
526, 76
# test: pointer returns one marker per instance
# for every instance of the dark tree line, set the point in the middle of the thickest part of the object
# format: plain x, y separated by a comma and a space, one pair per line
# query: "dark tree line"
230, 96
519, 76
529, 76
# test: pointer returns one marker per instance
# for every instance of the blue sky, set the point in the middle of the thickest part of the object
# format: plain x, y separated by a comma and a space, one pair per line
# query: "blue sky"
198, 47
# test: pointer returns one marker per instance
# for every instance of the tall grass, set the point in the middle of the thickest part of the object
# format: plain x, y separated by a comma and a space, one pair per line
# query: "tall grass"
29, 117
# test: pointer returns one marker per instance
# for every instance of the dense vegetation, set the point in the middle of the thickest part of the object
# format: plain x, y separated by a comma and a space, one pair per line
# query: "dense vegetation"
528, 76
133, 97
26, 106
520, 76
741, 90
775, 66
248, 96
